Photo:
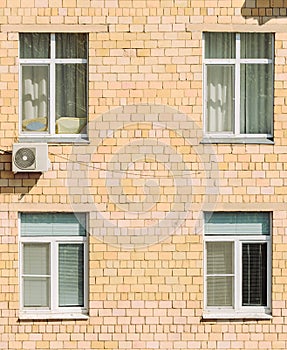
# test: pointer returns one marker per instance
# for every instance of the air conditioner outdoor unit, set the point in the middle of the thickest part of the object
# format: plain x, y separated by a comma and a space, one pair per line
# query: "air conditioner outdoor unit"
30, 157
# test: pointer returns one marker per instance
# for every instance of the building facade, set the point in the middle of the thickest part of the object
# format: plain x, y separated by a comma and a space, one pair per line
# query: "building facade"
142, 174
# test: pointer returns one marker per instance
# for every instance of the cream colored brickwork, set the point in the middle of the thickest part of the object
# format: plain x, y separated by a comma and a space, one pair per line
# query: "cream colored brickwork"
143, 294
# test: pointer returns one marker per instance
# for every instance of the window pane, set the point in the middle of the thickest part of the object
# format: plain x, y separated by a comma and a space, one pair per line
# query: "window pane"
219, 263
36, 259
53, 224
219, 45
36, 291
220, 98
254, 274
219, 257
34, 45
256, 45
71, 98
256, 99
36, 262
71, 45
220, 291
35, 101
237, 223
71, 275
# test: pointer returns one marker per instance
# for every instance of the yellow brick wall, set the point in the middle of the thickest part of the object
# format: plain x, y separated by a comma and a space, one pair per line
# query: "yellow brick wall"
145, 97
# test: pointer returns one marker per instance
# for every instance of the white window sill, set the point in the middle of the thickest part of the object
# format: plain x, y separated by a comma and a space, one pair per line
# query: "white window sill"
81, 139
236, 316
233, 139
52, 316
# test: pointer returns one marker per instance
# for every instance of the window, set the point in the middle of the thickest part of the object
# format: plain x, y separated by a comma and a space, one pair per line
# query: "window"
53, 88
238, 70
237, 265
53, 265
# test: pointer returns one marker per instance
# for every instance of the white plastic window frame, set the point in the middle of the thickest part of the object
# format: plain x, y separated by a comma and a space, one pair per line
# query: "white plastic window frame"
51, 63
236, 63
238, 311
55, 311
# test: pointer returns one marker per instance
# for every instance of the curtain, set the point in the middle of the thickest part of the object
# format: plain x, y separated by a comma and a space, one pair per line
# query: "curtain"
254, 274
35, 92
220, 98
219, 45
256, 45
71, 275
36, 271
71, 84
71, 90
256, 84
219, 268
34, 45
256, 103
71, 45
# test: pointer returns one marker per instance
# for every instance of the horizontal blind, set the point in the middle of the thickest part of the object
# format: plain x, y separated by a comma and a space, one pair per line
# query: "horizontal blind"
237, 223
53, 224
71, 275
254, 274
36, 274
220, 272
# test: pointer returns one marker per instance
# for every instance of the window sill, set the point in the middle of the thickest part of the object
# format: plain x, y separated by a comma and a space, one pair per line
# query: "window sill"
79, 139
236, 316
52, 316
239, 140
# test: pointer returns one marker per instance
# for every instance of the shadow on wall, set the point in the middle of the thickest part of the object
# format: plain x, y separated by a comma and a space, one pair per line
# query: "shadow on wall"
264, 10
19, 183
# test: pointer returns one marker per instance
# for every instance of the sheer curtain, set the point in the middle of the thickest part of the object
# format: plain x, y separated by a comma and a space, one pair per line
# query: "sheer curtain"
220, 82
220, 98
35, 92
71, 87
35, 81
256, 103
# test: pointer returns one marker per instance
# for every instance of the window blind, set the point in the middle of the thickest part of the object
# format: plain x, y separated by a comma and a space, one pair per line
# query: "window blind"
220, 272
237, 223
36, 274
53, 224
254, 274
71, 275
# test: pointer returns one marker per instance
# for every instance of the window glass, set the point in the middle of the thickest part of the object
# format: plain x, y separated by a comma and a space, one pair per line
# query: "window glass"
34, 45
54, 85
35, 98
254, 274
239, 84
71, 45
53, 263
71, 92
220, 98
36, 271
256, 45
237, 263
235, 223
71, 275
53, 224
220, 45
256, 85
219, 273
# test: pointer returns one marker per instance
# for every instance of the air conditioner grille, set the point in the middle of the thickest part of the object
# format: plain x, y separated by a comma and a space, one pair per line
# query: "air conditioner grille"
25, 158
